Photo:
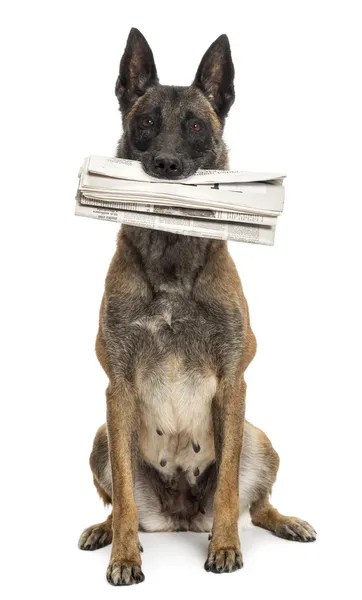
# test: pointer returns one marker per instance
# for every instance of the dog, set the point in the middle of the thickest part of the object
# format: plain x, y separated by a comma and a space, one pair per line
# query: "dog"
176, 453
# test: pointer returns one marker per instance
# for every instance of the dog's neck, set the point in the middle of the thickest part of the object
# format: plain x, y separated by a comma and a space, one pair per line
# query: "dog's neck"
170, 260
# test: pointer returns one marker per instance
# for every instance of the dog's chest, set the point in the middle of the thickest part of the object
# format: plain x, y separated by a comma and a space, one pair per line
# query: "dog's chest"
176, 384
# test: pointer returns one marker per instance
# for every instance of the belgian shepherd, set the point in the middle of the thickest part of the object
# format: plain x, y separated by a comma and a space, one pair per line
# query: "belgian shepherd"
176, 453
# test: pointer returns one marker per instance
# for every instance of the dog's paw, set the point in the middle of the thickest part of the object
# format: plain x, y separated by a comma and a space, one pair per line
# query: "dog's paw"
295, 530
124, 573
94, 537
226, 560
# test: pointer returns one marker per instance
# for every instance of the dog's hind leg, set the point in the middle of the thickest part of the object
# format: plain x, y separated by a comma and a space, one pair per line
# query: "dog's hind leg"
257, 475
97, 536
264, 515
150, 514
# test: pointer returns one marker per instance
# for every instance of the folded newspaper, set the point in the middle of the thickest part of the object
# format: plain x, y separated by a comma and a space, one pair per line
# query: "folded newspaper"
230, 205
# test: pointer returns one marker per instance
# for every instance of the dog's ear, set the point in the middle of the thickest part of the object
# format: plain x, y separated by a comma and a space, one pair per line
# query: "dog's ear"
137, 70
215, 76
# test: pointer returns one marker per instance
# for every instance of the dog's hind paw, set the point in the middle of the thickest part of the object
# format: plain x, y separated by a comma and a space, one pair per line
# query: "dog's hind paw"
296, 530
96, 536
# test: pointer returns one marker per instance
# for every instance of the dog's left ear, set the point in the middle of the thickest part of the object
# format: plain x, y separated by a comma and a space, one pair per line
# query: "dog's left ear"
215, 76
137, 70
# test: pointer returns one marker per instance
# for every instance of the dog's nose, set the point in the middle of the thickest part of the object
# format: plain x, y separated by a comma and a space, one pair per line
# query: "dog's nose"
167, 166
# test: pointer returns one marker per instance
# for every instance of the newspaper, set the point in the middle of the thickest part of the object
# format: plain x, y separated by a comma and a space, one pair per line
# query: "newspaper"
175, 211
256, 234
228, 205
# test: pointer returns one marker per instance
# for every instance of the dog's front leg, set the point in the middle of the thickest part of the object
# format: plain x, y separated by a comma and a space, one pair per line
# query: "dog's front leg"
122, 424
228, 411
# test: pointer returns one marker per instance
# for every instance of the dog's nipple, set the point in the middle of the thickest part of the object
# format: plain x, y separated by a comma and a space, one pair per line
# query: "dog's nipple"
163, 462
196, 447
159, 431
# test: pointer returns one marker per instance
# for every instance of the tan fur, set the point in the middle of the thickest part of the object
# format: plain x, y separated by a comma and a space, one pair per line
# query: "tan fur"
136, 106
103, 495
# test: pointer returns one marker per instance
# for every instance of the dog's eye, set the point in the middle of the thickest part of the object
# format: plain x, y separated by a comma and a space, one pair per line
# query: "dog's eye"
195, 126
147, 122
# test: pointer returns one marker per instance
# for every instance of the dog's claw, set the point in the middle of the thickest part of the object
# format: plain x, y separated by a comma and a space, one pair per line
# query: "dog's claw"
124, 574
224, 561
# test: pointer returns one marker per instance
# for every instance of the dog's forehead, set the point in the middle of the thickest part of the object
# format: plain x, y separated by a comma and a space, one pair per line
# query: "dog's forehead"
174, 101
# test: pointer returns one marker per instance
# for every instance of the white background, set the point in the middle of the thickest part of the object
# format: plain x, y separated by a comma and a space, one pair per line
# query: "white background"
298, 110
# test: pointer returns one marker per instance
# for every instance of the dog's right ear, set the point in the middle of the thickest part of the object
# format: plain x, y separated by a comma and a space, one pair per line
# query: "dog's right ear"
137, 70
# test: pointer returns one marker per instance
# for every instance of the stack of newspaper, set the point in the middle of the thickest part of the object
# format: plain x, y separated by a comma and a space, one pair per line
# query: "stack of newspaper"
229, 205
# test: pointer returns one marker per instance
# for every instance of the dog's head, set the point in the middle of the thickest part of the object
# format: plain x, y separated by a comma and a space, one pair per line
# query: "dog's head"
173, 130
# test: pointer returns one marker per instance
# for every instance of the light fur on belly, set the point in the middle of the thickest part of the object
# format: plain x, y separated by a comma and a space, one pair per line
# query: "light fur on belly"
176, 425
